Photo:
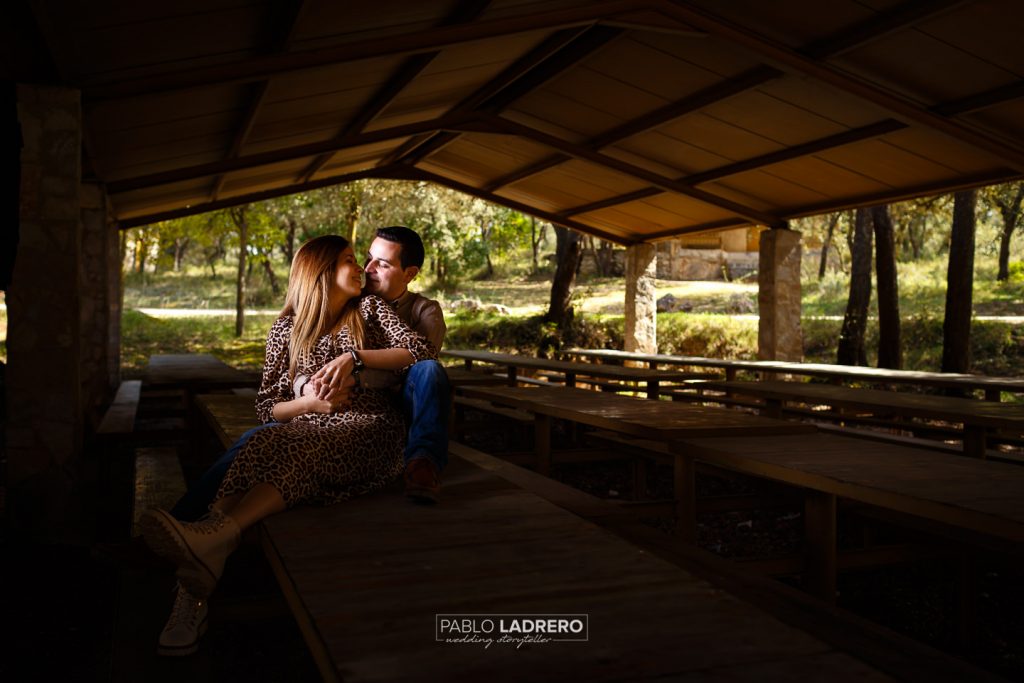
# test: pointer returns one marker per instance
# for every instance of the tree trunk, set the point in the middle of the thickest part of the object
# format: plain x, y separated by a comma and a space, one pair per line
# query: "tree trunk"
289, 242
352, 218
851, 338
241, 220
956, 328
534, 242
890, 352
569, 251
1010, 212
826, 244
180, 245
269, 270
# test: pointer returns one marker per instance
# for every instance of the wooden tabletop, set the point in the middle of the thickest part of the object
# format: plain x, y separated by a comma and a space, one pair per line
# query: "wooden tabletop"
990, 385
965, 410
651, 419
193, 370
976, 495
369, 577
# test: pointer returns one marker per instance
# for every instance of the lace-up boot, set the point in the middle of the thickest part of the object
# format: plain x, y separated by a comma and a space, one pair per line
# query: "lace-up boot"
199, 549
184, 627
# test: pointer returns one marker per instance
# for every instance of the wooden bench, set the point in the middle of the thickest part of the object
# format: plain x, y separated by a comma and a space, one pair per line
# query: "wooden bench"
992, 387
979, 418
366, 580
114, 447
974, 500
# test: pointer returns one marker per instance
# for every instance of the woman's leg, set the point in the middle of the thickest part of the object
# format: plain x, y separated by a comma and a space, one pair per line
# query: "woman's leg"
258, 502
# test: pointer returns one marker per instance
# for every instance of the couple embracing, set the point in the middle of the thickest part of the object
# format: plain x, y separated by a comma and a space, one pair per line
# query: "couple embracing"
349, 369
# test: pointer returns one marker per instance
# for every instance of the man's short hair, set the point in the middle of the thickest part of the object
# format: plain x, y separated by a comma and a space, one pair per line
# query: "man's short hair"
412, 253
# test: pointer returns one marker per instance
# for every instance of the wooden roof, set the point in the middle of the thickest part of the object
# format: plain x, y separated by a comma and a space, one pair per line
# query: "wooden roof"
631, 120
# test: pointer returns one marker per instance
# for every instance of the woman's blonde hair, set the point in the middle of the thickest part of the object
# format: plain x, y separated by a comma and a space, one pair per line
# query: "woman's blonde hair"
309, 286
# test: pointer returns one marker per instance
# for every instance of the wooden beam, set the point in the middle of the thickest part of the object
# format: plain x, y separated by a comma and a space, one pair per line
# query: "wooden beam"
465, 12
626, 168
426, 40
550, 58
611, 201
149, 219
405, 172
285, 154
710, 226
881, 25
691, 103
847, 137
888, 196
983, 100
854, 85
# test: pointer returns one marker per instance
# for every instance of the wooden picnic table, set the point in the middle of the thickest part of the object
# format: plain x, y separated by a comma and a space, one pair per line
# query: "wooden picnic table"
195, 372
977, 417
367, 602
573, 371
991, 386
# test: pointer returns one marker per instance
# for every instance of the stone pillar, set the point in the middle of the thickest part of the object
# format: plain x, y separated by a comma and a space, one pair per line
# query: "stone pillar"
44, 382
641, 306
100, 299
778, 296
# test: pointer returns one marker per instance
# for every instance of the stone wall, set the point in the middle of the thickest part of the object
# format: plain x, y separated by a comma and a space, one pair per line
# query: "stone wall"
44, 428
100, 299
678, 263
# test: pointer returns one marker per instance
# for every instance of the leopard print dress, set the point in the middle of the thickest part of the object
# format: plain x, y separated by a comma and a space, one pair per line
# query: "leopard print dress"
318, 458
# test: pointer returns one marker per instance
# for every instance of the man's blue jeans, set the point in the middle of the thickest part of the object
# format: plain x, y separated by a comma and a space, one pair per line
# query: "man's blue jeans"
196, 501
426, 404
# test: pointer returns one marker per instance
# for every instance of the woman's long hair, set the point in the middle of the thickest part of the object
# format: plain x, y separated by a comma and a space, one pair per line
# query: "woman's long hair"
309, 286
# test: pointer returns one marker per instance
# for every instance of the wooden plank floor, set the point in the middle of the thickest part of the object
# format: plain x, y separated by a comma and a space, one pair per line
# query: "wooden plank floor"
373, 592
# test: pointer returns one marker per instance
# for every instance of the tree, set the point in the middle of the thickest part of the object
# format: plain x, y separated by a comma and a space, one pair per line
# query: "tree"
833, 220
956, 327
890, 354
536, 237
1007, 198
240, 217
851, 338
568, 251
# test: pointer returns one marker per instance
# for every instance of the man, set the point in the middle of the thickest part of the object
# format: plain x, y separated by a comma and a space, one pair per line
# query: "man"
394, 260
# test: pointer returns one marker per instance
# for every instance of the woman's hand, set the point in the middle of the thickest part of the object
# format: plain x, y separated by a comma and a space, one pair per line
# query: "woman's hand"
333, 375
339, 398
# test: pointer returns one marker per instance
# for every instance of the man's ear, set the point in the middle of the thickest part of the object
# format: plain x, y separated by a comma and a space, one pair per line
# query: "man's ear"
411, 272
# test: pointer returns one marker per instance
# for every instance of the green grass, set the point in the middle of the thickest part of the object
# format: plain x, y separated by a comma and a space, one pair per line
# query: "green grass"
143, 335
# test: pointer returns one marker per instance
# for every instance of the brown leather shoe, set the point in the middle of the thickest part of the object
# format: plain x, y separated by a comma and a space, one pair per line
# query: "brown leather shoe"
422, 483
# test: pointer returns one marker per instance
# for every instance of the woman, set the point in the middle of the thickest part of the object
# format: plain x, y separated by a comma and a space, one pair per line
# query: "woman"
317, 454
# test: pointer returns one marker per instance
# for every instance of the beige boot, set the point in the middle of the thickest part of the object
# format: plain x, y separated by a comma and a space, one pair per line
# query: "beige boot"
199, 549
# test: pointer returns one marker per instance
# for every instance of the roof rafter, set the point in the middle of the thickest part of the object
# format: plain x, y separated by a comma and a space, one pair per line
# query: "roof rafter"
897, 104
626, 168
698, 100
427, 40
413, 66
413, 173
290, 153
847, 137
278, 45
547, 60
889, 196
238, 200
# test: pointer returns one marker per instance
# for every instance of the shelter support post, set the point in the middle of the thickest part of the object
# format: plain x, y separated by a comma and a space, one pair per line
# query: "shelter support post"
44, 426
779, 336
641, 307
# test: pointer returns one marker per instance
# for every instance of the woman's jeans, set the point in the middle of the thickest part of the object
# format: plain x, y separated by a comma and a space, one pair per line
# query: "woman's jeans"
425, 402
